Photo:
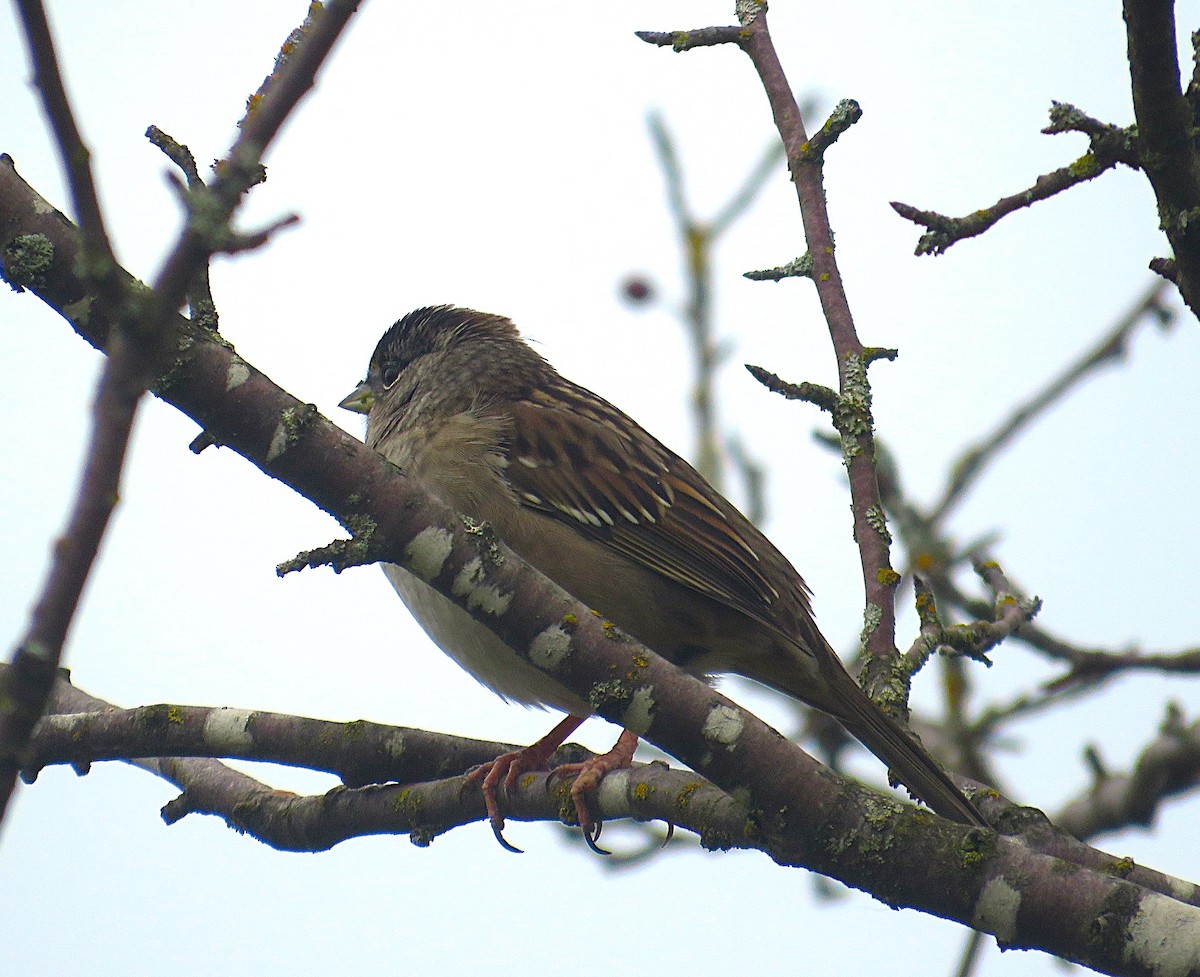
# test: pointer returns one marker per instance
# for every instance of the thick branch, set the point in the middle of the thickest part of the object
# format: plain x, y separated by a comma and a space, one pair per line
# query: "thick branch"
1165, 120
426, 809
182, 744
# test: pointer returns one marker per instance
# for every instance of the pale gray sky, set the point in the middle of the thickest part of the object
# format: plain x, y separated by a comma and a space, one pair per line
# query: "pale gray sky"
496, 155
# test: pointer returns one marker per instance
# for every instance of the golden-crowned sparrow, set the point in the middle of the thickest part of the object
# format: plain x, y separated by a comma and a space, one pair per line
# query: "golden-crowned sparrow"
463, 405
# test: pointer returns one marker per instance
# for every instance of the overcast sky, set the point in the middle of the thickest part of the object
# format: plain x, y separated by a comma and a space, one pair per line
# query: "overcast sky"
496, 155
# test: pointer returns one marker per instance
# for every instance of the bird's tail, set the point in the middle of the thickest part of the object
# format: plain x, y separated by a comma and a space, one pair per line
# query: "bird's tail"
908, 761
823, 682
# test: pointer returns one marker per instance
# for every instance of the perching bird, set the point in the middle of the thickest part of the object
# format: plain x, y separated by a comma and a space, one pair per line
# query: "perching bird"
581, 491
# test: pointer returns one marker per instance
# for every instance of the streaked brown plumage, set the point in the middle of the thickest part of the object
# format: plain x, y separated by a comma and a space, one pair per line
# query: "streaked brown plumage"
582, 492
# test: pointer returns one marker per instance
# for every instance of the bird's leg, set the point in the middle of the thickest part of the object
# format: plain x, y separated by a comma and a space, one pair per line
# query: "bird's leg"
588, 775
507, 767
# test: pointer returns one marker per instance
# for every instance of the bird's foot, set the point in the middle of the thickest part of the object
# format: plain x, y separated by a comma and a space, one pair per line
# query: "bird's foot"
506, 768
588, 775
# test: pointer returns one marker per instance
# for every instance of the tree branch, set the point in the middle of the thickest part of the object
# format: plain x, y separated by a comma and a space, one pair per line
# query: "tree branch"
1165, 121
1168, 765
698, 239
1110, 145
82, 728
852, 414
1112, 348
137, 337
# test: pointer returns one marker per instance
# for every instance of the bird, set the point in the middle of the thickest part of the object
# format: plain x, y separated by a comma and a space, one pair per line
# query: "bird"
460, 402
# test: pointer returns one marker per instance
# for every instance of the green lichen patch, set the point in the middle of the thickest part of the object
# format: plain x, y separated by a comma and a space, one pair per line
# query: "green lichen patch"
27, 262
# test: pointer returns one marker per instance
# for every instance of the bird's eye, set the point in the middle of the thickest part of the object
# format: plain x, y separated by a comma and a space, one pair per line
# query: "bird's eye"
389, 373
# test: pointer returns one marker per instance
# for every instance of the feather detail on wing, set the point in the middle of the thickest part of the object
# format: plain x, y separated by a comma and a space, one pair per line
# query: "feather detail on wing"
571, 458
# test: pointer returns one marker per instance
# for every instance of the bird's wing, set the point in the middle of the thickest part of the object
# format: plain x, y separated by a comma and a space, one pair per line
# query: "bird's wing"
571, 457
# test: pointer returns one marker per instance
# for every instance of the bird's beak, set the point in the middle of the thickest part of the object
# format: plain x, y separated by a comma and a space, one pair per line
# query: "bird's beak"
360, 400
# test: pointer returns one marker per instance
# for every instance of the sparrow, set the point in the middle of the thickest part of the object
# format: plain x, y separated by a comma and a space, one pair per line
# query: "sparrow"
462, 404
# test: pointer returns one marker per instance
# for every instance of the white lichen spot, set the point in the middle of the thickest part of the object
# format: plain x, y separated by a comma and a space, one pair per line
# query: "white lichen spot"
723, 726
467, 577
41, 206
612, 795
480, 596
237, 374
1182, 890
639, 714
427, 552
1162, 938
229, 729
550, 647
279, 442
996, 911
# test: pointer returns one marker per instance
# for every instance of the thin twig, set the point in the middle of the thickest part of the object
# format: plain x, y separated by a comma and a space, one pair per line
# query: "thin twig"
1109, 145
743, 198
970, 954
698, 239
202, 310
123, 380
1112, 348
74, 154
687, 40
242, 167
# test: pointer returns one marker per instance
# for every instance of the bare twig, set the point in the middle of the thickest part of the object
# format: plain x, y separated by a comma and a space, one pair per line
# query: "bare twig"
852, 409
687, 40
972, 640
814, 393
74, 154
1092, 666
1110, 145
743, 198
1112, 348
241, 169
202, 310
698, 239
123, 380
796, 268
852, 416
1088, 666
970, 955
